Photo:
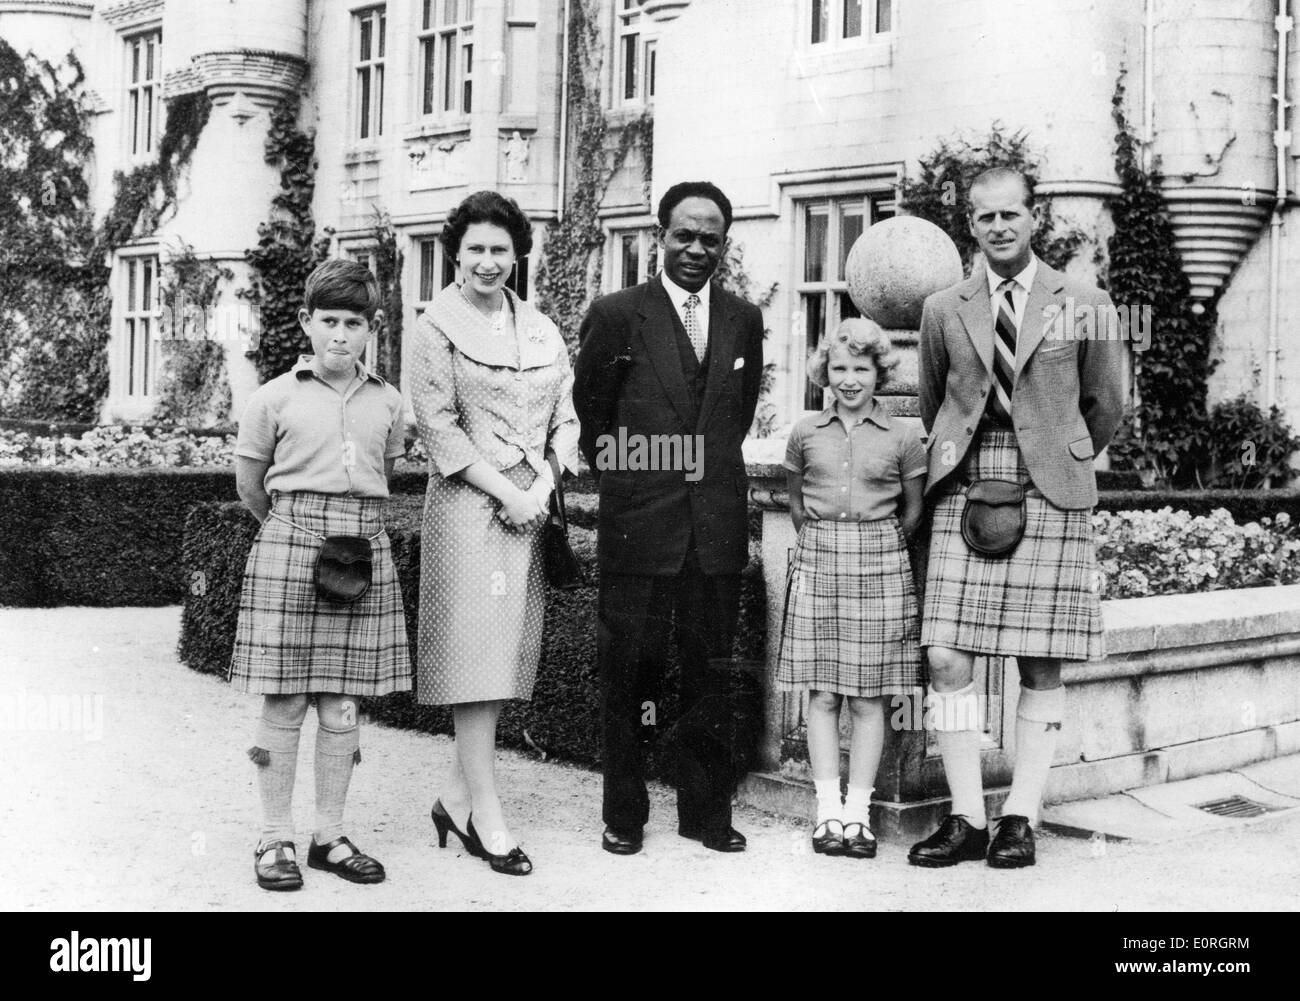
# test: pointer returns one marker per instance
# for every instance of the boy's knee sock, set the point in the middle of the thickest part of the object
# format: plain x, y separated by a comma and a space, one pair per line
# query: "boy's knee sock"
334, 759
1038, 723
955, 718
276, 757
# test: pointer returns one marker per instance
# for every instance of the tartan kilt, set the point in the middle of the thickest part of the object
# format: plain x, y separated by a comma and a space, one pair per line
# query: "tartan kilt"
850, 622
1038, 602
291, 642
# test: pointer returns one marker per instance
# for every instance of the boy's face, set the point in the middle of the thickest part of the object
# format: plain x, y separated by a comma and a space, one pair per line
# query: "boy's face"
852, 379
338, 336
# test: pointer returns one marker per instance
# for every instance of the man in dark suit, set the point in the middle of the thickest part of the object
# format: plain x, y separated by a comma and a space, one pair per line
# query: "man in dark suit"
668, 370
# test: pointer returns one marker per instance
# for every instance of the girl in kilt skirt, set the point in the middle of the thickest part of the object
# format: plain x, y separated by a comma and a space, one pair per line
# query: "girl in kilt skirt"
315, 448
855, 477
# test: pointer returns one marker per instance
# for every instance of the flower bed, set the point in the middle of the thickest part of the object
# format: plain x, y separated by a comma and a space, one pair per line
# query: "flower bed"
1145, 553
115, 446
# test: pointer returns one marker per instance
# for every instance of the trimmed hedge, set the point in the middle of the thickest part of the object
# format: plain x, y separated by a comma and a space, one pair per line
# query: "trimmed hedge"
562, 719
98, 536
1243, 505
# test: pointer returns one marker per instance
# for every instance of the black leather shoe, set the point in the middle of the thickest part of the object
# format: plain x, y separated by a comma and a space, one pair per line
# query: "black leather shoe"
828, 838
620, 844
1013, 844
512, 863
443, 823
283, 873
730, 840
858, 841
356, 868
955, 841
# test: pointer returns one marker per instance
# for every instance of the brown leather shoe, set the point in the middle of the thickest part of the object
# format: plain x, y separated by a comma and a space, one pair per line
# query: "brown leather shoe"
955, 841
356, 868
283, 873
1013, 844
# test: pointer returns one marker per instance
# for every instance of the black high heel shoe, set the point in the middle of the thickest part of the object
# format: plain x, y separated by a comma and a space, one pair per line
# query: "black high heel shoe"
513, 863
443, 822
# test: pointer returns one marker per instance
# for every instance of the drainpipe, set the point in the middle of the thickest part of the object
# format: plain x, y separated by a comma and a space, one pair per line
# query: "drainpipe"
564, 116
1149, 85
1281, 140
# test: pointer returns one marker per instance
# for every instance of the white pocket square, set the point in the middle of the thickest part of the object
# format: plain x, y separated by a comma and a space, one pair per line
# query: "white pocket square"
740, 363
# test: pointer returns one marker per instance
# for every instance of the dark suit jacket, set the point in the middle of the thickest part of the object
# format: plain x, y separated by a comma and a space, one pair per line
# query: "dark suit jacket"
1068, 397
629, 377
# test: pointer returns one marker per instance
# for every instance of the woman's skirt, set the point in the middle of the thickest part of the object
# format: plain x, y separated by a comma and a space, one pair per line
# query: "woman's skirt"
1041, 601
850, 623
290, 641
482, 597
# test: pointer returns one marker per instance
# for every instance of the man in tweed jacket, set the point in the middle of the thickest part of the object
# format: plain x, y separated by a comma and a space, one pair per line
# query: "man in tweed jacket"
1004, 395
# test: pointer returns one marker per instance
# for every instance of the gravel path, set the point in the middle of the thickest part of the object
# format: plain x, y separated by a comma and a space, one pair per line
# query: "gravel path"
160, 812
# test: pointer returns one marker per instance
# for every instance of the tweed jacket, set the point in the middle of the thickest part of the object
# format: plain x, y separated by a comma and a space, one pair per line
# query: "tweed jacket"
1068, 395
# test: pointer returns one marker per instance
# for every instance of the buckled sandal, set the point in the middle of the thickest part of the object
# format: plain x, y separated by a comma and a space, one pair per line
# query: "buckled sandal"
861, 843
283, 873
356, 868
828, 838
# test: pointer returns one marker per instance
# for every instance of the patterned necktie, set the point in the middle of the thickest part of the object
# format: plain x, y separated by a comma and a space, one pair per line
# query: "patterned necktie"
1004, 356
692, 323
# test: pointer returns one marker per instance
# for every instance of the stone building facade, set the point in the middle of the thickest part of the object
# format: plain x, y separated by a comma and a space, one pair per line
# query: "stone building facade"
807, 112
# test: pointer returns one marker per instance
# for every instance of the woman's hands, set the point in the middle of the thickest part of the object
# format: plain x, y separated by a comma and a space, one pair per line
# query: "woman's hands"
522, 509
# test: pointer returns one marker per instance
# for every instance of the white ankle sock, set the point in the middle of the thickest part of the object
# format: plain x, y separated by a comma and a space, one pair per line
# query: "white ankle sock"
828, 799
1038, 723
857, 805
955, 720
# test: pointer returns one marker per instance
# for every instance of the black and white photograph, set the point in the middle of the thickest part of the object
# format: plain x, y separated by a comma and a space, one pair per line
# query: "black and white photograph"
802, 456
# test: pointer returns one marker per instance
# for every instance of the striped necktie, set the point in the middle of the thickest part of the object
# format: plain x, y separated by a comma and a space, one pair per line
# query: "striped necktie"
692, 324
1004, 356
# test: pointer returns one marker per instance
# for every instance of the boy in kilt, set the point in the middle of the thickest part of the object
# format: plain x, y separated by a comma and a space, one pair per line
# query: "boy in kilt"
315, 449
1001, 400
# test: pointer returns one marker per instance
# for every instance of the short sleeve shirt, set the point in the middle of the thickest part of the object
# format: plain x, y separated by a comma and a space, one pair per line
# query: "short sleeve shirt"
321, 439
854, 473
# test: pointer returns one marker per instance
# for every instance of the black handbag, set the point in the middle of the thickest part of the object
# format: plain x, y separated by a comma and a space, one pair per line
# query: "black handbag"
562, 568
993, 520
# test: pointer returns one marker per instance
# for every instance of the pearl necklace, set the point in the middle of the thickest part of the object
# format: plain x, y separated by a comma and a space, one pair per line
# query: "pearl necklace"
497, 320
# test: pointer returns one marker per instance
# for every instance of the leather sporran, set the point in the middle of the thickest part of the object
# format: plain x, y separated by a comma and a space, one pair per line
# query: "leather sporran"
562, 568
343, 568
993, 520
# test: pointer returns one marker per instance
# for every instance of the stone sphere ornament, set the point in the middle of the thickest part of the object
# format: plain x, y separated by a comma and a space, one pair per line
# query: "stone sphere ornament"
895, 264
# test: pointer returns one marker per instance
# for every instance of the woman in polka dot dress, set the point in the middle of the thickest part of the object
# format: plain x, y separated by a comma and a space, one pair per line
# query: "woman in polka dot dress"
492, 389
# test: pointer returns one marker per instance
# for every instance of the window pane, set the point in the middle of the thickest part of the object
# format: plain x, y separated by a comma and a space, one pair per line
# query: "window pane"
467, 102
363, 78
379, 100
852, 18
448, 270
135, 62
448, 72
145, 337
147, 98
131, 303
148, 62
469, 10
365, 37
518, 281
146, 285
821, 20
427, 51
383, 26
631, 260
428, 260
848, 311
882, 209
426, 16
650, 55
884, 15
814, 316
130, 356
851, 222
815, 234
135, 121
449, 12
629, 66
